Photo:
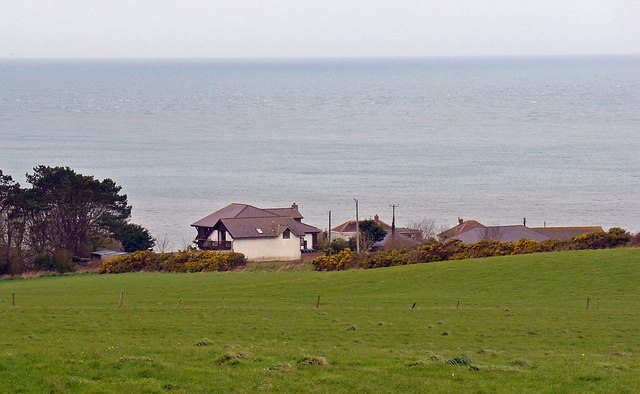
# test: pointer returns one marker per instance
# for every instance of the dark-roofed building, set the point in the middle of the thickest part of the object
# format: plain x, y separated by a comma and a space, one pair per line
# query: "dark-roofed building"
394, 241
259, 234
499, 233
461, 227
347, 230
566, 233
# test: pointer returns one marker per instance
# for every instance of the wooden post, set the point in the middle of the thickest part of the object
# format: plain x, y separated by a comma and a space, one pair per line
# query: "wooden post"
224, 306
13, 299
121, 296
179, 301
458, 304
598, 305
318, 302
587, 303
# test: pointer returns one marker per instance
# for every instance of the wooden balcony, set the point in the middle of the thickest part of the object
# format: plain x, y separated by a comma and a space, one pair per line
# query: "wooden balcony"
215, 245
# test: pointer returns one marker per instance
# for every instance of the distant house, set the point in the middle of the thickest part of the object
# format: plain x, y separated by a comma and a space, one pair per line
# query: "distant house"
347, 230
566, 233
462, 226
393, 241
259, 234
499, 233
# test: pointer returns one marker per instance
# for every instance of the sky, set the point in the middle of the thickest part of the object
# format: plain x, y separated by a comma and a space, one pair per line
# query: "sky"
316, 28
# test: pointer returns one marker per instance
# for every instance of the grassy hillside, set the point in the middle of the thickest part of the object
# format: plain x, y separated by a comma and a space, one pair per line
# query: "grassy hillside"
522, 324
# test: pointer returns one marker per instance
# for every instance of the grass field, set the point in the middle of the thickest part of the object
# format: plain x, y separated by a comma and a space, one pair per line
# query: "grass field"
521, 325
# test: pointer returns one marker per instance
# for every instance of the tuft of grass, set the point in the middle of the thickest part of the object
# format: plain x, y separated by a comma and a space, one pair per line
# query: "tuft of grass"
126, 359
313, 360
204, 342
521, 363
462, 360
281, 367
232, 358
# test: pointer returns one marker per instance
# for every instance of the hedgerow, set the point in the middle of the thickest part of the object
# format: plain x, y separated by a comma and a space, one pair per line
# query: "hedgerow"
341, 261
183, 261
454, 249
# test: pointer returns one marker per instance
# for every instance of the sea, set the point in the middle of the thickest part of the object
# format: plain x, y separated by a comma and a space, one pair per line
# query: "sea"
555, 140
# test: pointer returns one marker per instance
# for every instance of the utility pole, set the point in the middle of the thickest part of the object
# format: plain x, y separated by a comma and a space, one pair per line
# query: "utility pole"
329, 232
357, 229
393, 220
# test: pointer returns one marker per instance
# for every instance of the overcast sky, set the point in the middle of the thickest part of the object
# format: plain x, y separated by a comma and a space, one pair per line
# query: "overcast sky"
315, 28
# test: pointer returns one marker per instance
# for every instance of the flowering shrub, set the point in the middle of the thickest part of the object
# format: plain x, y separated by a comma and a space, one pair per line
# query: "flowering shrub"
594, 240
386, 259
454, 249
341, 261
617, 237
183, 261
435, 251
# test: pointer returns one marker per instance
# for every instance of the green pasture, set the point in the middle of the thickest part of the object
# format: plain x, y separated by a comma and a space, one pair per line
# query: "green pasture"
521, 325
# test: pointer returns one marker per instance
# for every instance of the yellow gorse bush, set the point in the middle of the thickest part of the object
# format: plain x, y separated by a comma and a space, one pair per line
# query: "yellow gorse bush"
182, 261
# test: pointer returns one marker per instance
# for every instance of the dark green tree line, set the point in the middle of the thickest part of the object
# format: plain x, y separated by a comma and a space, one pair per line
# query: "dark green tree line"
62, 214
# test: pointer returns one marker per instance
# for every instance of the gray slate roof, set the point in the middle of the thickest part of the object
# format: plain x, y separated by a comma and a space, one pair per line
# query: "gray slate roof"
566, 233
500, 233
244, 221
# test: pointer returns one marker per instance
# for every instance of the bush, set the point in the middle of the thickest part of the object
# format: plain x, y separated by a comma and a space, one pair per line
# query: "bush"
338, 245
385, 259
634, 241
341, 261
593, 240
59, 262
43, 262
183, 261
617, 237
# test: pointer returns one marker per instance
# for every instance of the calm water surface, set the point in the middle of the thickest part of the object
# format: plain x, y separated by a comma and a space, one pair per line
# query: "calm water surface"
554, 140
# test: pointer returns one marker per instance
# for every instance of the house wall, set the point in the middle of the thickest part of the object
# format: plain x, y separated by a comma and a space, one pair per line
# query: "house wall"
309, 239
345, 235
214, 236
269, 249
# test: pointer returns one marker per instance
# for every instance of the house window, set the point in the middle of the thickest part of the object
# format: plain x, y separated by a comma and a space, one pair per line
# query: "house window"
286, 234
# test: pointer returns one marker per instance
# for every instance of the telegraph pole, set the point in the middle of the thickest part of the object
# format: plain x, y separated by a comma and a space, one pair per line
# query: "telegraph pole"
329, 232
393, 220
357, 229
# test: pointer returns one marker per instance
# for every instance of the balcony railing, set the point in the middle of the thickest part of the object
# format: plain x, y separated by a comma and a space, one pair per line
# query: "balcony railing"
215, 245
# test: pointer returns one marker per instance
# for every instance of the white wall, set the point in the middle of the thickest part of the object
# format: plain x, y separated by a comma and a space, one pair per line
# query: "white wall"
345, 235
214, 236
269, 249
309, 239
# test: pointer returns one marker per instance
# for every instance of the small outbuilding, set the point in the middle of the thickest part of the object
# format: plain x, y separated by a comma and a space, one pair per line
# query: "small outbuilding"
99, 256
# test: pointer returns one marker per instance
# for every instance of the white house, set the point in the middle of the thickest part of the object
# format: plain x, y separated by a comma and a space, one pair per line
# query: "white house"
259, 234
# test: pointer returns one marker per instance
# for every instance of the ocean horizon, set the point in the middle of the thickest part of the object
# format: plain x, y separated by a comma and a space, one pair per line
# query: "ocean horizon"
550, 139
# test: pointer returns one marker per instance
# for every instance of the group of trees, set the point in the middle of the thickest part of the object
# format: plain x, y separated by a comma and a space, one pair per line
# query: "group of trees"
370, 233
61, 216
